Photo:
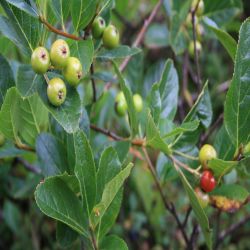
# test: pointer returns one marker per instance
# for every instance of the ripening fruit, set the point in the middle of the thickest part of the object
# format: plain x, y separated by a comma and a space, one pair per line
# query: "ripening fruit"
72, 72
2, 139
207, 152
40, 60
138, 102
191, 48
121, 104
98, 27
202, 197
246, 150
111, 37
56, 91
207, 181
59, 53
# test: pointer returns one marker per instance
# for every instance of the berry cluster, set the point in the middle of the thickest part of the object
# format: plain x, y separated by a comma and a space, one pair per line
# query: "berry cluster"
59, 57
110, 35
121, 105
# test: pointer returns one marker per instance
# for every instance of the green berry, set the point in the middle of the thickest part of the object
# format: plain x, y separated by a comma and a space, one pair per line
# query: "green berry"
98, 27
59, 53
111, 37
207, 152
191, 48
120, 97
2, 139
138, 103
40, 60
72, 72
121, 104
56, 91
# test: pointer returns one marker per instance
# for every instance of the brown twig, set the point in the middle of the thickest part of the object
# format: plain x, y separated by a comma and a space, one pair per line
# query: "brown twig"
93, 239
169, 206
193, 237
57, 31
25, 147
93, 82
211, 129
187, 216
142, 32
193, 11
231, 230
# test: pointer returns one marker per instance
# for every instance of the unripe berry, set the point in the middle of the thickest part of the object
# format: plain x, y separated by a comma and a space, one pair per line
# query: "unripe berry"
40, 60
111, 37
56, 91
72, 72
120, 104
98, 27
207, 152
202, 197
207, 181
138, 102
191, 48
59, 53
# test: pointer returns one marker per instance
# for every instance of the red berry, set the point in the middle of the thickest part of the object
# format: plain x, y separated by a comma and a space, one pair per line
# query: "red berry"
207, 181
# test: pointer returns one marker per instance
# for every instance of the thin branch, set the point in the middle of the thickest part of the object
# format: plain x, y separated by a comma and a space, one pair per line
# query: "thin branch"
169, 206
227, 232
57, 31
193, 237
28, 166
142, 32
211, 129
24, 147
93, 239
187, 216
193, 11
93, 82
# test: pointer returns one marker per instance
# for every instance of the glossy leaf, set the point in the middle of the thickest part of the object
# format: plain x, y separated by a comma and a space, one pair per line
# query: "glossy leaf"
82, 12
84, 50
119, 52
113, 242
237, 112
24, 6
153, 137
61, 9
6, 78
85, 171
51, 154
69, 113
65, 236
109, 193
56, 200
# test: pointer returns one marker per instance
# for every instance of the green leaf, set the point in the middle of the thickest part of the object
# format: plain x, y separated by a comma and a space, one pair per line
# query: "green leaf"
237, 112
113, 242
169, 88
110, 191
82, 12
198, 210
9, 150
221, 167
27, 80
232, 191
27, 28
61, 9
22, 5
6, 78
85, 171
153, 137
184, 127
109, 167
129, 100
119, 52
65, 236
84, 50
226, 40
52, 155
69, 113
57, 201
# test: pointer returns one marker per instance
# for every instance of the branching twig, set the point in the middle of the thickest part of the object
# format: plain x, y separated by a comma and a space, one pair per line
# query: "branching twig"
193, 237
169, 206
187, 216
142, 32
193, 11
57, 31
231, 230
